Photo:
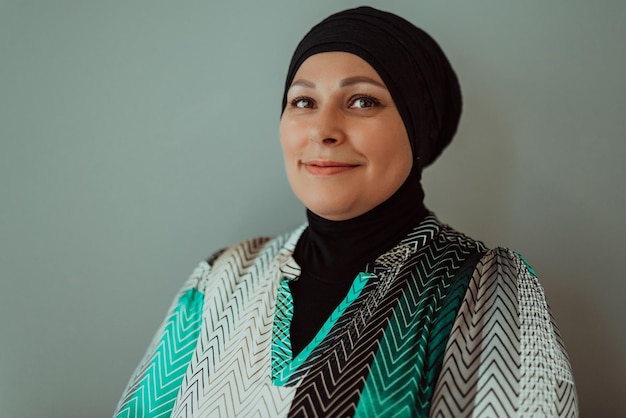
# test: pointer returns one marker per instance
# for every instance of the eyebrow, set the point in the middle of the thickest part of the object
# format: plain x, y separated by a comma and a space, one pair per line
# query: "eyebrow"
360, 79
303, 83
350, 81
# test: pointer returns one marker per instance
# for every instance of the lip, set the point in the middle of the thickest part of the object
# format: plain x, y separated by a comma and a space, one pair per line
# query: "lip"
326, 167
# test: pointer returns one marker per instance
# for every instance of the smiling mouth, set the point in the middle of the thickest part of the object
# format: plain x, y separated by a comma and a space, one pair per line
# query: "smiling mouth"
327, 168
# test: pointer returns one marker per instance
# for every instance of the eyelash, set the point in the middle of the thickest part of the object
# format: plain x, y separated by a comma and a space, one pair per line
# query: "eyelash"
373, 100
295, 100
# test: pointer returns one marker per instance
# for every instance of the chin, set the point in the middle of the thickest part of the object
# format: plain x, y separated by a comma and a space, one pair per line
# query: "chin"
334, 212
334, 204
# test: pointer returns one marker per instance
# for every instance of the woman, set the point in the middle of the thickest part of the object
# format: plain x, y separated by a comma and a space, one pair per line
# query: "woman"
374, 308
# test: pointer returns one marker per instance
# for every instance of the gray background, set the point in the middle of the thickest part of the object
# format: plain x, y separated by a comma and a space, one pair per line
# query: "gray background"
138, 137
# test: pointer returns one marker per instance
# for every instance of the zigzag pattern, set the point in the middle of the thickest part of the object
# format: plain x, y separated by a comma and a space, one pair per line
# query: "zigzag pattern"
314, 389
230, 373
154, 395
491, 367
351, 313
480, 373
286, 370
334, 387
402, 375
431, 330
281, 343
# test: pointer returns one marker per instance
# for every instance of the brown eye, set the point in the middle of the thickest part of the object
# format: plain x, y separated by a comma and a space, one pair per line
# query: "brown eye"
364, 102
302, 102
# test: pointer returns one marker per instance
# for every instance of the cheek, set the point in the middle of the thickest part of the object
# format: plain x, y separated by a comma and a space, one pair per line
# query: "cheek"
405, 158
288, 138
395, 159
395, 150
291, 148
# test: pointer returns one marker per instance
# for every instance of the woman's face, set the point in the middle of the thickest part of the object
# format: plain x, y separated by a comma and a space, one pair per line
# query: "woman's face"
345, 146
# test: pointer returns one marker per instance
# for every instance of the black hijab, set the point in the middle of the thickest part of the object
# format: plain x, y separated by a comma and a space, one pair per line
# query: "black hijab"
426, 93
419, 77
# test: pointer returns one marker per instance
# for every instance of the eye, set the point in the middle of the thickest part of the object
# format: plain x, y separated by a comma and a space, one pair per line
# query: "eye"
364, 102
302, 102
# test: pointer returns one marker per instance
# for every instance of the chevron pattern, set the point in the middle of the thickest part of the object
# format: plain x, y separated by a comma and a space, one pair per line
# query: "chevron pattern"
283, 366
156, 392
398, 314
281, 344
492, 365
230, 373
407, 364
438, 326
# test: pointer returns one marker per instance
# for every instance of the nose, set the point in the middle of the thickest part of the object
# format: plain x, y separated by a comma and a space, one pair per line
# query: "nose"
327, 127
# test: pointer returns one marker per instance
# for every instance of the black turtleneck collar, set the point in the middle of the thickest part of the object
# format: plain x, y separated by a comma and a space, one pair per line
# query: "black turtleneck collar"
331, 254
337, 250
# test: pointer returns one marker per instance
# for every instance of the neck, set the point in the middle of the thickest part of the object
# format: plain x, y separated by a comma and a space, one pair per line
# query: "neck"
338, 250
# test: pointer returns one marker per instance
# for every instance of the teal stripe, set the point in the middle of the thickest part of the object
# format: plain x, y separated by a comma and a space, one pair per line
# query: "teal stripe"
285, 366
407, 364
156, 394
530, 269
281, 342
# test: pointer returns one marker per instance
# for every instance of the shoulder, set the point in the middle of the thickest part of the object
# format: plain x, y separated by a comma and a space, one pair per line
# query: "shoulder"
449, 234
510, 278
507, 260
504, 275
256, 248
433, 233
247, 249
510, 270
499, 265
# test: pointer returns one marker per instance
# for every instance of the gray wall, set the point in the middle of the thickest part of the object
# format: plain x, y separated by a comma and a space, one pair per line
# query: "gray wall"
138, 137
